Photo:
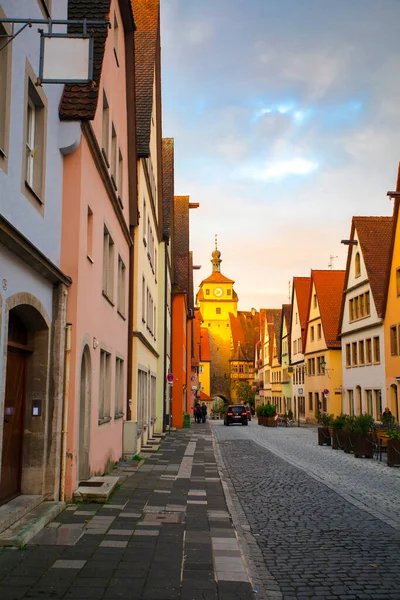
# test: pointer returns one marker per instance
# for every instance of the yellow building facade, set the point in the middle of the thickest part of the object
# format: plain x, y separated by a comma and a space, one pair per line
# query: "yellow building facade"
323, 355
392, 319
216, 300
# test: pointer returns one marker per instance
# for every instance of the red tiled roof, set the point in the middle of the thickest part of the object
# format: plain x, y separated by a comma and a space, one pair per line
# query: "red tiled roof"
204, 345
217, 278
273, 317
286, 316
181, 243
79, 102
190, 280
301, 286
147, 19
244, 331
375, 236
329, 286
168, 185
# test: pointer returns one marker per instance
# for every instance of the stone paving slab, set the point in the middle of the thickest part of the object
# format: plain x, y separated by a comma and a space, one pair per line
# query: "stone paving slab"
165, 534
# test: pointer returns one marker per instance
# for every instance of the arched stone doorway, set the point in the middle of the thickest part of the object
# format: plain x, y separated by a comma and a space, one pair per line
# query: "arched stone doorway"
85, 401
23, 449
394, 401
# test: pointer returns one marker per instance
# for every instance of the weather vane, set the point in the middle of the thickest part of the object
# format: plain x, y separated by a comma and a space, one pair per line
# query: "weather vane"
216, 241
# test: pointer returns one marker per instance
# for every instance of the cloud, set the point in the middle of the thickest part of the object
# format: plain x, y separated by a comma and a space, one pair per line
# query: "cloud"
284, 129
278, 170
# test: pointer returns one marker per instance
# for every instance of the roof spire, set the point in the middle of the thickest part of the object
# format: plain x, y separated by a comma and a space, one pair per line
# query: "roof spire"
216, 257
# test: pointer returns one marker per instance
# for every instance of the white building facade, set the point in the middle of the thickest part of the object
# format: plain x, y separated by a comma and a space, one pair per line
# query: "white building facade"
362, 332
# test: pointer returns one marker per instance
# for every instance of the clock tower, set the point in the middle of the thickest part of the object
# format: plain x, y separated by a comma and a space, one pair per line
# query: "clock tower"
218, 300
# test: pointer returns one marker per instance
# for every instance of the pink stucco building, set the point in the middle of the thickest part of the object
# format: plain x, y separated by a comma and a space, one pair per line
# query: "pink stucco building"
99, 197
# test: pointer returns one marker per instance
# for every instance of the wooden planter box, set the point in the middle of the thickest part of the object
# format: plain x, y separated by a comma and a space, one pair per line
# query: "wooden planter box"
324, 436
270, 422
261, 420
393, 453
337, 439
348, 441
363, 445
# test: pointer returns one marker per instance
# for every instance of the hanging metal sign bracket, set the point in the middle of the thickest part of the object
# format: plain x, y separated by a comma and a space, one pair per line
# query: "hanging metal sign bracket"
61, 43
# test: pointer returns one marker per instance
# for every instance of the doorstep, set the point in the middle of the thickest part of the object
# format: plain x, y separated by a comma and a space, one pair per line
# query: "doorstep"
150, 448
25, 528
16, 509
96, 489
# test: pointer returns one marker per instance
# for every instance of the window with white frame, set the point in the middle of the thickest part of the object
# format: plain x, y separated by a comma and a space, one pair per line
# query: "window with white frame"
5, 77
394, 346
377, 350
348, 355
114, 156
119, 387
354, 356
143, 299
35, 142
361, 353
105, 140
108, 265
116, 35
121, 286
120, 177
104, 386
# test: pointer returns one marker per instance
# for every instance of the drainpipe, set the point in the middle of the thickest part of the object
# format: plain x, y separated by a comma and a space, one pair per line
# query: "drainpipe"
67, 369
130, 327
165, 385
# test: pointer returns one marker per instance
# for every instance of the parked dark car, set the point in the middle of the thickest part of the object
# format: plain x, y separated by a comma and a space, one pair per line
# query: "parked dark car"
236, 414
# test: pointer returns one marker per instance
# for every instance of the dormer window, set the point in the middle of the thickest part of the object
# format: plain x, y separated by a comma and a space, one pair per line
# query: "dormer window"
357, 265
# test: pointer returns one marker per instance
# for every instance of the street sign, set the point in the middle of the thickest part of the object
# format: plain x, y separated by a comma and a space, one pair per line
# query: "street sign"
170, 377
326, 392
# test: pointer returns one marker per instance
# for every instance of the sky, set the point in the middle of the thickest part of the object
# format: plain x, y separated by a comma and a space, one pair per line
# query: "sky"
286, 120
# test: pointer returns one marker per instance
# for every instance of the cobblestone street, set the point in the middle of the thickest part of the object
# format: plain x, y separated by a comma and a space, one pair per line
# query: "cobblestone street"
327, 524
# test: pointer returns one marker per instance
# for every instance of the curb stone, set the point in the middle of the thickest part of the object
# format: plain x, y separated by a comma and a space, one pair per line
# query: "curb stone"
249, 548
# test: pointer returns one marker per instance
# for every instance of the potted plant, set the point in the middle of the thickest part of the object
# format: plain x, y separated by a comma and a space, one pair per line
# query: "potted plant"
362, 436
260, 414
337, 428
348, 434
324, 434
393, 447
270, 414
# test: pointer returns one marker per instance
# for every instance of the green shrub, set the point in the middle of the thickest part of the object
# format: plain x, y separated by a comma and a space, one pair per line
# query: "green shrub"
259, 410
326, 419
363, 423
339, 422
270, 410
394, 432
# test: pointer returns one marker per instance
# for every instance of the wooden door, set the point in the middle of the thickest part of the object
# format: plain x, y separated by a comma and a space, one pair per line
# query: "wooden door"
10, 482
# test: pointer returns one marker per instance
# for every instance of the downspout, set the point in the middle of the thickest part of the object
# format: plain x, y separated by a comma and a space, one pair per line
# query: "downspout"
130, 321
64, 431
165, 385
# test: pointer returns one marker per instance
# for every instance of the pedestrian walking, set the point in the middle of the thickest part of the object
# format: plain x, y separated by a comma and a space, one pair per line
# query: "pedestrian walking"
197, 413
203, 412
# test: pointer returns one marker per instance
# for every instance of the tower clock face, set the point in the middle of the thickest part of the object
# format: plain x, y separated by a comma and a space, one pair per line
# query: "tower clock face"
218, 292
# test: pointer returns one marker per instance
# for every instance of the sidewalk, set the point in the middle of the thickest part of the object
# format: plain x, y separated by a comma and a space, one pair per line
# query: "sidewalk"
165, 535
